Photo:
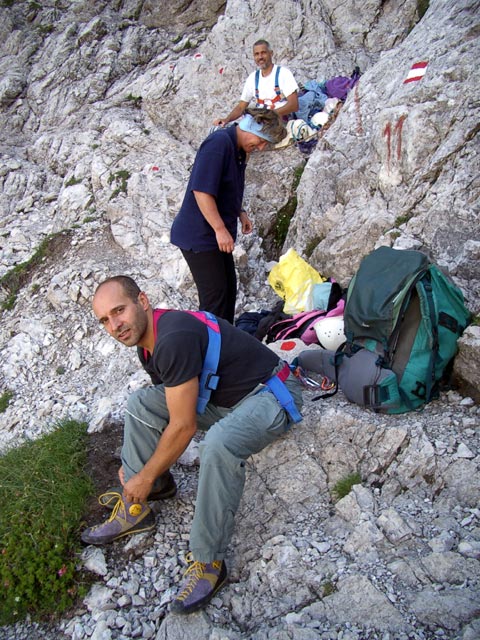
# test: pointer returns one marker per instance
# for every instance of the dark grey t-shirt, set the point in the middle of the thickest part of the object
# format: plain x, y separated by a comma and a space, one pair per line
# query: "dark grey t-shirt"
180, 348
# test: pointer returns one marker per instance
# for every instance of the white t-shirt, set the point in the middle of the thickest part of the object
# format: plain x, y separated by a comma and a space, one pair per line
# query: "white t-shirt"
266, 87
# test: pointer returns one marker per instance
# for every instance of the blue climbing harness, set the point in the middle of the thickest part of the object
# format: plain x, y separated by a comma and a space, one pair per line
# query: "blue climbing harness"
279, 389
209, 378
267, 103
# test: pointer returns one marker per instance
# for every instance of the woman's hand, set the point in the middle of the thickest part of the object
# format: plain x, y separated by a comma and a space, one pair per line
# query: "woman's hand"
224, 240
247, 226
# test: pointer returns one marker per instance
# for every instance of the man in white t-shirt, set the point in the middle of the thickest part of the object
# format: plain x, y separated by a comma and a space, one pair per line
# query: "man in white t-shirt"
271, 86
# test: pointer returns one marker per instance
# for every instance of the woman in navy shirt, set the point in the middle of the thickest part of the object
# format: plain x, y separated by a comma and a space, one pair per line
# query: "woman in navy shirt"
205, 228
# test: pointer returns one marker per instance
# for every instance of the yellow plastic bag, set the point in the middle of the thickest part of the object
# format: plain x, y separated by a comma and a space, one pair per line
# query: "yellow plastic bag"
293, 279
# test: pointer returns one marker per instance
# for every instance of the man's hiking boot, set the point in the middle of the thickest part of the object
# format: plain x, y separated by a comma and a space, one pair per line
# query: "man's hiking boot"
126, 518
202, 581
167, 489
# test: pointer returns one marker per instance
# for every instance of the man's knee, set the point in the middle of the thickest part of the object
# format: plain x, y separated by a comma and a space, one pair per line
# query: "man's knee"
133, 402
215, 452
148, 405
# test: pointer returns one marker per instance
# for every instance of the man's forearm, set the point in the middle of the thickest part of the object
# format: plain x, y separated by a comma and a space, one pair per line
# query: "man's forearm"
181, 404
291, 105
236, 112
172, 444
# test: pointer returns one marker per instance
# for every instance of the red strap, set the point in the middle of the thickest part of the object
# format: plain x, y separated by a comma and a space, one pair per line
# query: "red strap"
200, 315
156, 315
270, 101
284, 373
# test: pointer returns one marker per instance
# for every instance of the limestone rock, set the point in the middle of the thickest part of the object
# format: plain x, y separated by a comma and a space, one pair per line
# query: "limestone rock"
467, 361
103, 105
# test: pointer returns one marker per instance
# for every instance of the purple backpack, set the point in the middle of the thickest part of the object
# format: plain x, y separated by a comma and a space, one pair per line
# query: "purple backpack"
339, 86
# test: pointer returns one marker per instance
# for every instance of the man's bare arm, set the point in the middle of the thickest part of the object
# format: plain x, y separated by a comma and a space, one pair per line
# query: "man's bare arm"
233, 115
291, 105
182, 408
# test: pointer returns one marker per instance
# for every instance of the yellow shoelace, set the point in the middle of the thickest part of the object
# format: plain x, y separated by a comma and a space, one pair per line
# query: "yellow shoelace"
117, 506
196, 571
107, 497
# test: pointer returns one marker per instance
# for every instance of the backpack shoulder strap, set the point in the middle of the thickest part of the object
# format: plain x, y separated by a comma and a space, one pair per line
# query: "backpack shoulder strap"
157, 313
209, 379
257, 77
277, 85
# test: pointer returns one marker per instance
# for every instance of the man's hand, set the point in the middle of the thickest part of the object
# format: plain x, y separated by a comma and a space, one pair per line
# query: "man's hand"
137, 488
236, 113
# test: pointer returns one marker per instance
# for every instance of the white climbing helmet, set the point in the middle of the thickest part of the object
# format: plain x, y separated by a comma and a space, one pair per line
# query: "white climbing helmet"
319, 119
330, 332
299, 129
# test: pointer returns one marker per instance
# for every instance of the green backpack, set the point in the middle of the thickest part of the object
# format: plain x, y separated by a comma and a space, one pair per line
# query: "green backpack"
408, 315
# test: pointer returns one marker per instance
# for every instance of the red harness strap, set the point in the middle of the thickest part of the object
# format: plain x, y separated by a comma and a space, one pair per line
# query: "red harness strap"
284, 373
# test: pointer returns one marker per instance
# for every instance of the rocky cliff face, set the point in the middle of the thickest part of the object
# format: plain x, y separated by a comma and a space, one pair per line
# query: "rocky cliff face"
103, 105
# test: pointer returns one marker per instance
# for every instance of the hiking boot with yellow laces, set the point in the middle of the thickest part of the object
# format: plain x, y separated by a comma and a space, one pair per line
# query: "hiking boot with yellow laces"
202, 581
126, 518
167, 489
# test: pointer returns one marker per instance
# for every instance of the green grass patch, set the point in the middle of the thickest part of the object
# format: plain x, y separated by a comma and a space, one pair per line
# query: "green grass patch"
312, 245
45, 29
120, 178
135, 100
402, 220
43, 493
286, 213
5, 400
328, 588
15, 279
343, 487
283, 219
422, 7
73, 181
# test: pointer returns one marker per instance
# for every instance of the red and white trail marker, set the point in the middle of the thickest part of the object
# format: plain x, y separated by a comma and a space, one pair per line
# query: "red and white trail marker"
416, 72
